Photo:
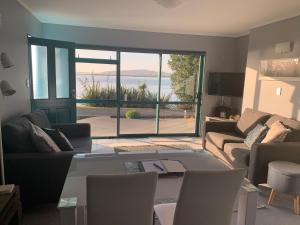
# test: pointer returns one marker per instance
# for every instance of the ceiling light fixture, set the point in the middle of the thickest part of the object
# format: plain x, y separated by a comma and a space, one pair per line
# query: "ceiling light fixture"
169, 3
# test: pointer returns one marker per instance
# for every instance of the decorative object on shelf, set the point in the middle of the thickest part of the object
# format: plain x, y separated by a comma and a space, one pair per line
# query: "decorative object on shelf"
280, 69
6, 90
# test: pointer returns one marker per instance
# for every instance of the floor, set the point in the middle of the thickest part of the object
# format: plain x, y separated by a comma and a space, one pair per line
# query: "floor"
278, 214
105, 126
193, 142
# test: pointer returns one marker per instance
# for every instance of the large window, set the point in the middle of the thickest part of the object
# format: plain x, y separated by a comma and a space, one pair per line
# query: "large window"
137, 93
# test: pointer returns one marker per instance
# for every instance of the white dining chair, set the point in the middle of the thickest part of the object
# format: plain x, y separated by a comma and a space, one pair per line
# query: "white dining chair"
121, 199
206, 198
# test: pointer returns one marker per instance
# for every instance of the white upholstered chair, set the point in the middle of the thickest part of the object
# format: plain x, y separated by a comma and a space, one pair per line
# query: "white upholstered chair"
206, 198
121, 199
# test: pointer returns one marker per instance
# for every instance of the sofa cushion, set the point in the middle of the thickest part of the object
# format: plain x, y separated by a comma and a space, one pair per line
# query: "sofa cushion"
249, 119
256, 135
219, 139
238, 154
43, 141
277, 133
16, 136
39, 118
294, 125
60, 139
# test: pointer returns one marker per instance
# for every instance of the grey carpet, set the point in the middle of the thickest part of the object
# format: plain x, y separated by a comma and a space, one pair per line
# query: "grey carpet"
279, 214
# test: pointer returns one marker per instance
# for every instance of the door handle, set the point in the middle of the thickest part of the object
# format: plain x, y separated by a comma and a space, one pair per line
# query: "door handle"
73, 93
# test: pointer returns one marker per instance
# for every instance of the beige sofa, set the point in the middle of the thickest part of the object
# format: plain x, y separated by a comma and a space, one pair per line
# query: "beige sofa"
225, 140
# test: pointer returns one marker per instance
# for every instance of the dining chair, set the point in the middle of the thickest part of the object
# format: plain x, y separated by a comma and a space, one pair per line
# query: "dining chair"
121, 199
206, 198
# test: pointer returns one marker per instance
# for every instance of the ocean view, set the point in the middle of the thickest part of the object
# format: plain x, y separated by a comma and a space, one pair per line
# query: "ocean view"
130, 82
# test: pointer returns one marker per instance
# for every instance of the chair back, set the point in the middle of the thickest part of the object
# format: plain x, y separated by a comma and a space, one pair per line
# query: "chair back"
121, 199
208, 197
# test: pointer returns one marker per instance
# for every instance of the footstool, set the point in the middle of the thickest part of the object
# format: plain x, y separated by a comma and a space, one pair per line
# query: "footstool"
284, 177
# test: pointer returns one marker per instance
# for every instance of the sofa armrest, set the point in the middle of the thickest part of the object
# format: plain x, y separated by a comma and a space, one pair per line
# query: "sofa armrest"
262, 154
41, 176
74, 130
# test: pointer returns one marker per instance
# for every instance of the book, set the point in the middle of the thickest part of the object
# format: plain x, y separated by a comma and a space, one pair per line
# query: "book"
159, 166
7, 189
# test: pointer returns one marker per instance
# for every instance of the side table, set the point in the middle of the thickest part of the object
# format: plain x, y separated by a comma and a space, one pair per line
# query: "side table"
11, 208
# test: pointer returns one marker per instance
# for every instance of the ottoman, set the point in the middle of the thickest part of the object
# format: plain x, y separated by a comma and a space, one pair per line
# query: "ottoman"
284, 177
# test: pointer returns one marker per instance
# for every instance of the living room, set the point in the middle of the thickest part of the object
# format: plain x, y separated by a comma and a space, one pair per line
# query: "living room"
74, 70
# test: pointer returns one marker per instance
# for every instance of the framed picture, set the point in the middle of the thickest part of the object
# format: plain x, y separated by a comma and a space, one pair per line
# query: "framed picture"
280, 69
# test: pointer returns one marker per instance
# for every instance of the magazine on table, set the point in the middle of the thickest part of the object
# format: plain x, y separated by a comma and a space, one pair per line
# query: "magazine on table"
160, 166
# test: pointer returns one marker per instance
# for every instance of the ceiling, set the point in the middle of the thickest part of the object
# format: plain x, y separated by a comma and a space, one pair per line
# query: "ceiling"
200, 17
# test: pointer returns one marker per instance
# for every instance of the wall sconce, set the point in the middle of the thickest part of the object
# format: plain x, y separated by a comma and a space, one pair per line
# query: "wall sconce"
5, 61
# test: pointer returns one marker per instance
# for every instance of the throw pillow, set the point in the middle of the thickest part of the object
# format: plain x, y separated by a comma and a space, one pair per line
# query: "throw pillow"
42, 141
256, 135
276, 133
249, 119
60, 139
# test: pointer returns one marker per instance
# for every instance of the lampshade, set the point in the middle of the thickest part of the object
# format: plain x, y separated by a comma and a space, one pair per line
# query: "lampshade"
5, 60
6, 89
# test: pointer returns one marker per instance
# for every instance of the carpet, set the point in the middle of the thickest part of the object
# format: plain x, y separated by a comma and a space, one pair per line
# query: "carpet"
280, 213
154, 148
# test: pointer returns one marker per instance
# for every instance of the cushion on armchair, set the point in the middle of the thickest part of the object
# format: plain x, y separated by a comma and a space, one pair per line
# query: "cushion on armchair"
39, 118
293, 125
60, 139
16, 136
249, 119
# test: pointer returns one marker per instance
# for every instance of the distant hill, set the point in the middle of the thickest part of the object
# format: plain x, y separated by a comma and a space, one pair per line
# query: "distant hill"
131, 73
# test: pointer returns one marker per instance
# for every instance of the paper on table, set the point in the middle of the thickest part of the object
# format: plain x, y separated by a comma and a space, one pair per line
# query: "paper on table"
149, 166
173, 166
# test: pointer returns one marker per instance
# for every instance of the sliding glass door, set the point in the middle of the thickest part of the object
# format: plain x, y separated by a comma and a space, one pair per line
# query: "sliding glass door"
120, 92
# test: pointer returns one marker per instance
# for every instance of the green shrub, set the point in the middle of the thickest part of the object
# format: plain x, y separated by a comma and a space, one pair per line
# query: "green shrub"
132, 114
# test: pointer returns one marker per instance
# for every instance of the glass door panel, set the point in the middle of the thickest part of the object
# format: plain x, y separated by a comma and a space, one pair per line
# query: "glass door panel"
139, 92
179, 82
39, 75
138, 118
96, 97
62, 73
177, 118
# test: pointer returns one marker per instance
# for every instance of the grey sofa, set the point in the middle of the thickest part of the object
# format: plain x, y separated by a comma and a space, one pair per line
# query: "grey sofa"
225, 140
41, 176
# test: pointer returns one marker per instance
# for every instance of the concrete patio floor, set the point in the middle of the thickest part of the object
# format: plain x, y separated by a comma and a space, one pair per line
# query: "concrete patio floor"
105, 126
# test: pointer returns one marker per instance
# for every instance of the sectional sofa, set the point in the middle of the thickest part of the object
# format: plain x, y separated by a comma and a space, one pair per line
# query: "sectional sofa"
225, 140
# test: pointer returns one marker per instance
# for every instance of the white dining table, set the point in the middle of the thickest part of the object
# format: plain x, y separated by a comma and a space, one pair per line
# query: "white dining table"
72, 204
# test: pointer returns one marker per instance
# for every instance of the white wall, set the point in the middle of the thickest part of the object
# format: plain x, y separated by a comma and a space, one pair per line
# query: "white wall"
260, 94
221, 51
16, 24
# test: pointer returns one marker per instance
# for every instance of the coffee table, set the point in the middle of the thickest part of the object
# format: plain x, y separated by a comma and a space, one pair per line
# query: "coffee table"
72, 205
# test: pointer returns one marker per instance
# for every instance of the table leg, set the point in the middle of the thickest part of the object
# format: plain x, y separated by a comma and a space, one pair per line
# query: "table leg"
247, 207
68, 216
68, 211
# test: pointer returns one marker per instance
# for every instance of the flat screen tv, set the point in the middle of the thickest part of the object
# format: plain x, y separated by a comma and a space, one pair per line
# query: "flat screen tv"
226, 84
